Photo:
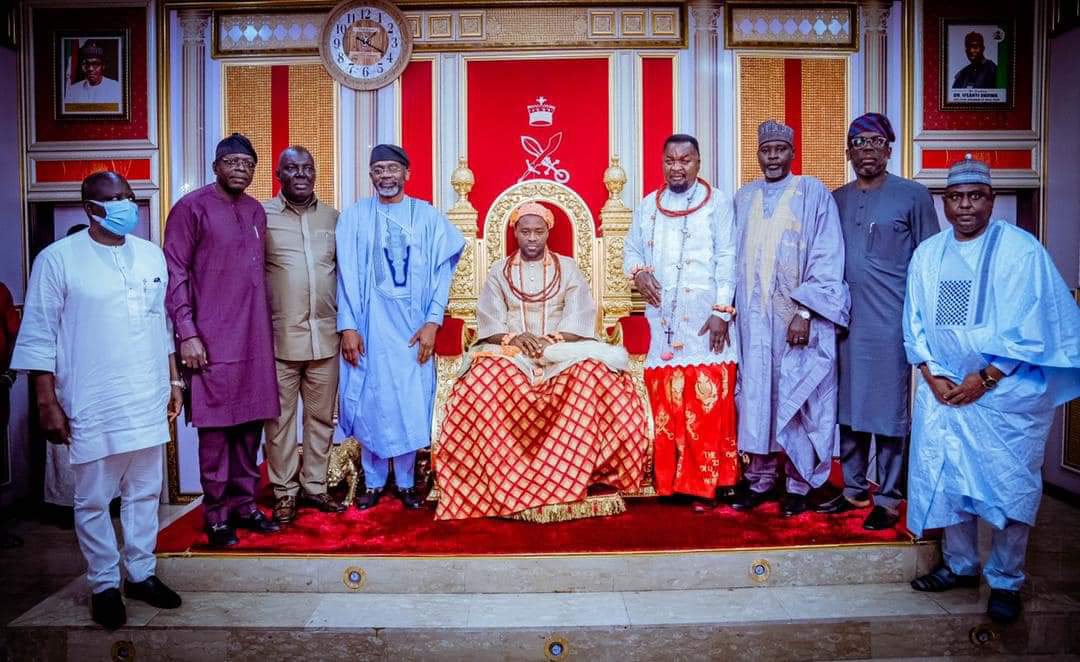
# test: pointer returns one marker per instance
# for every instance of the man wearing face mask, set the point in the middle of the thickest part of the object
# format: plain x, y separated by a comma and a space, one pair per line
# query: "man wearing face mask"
884, 217
111, 405
791, 298
214, 246
396, 258
302, 276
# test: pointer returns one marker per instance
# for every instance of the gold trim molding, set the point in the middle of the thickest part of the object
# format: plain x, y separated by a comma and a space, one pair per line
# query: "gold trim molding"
269, 29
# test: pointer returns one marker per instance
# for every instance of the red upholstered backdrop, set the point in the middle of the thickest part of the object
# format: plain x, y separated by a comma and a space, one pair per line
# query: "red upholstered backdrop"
417, 116
499, 133
657, 116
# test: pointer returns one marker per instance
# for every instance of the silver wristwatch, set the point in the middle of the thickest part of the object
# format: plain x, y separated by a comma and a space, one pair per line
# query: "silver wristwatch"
723, 316
803, 313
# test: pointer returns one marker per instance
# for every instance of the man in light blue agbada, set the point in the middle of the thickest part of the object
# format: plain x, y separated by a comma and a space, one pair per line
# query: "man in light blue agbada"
995, 335
396, 258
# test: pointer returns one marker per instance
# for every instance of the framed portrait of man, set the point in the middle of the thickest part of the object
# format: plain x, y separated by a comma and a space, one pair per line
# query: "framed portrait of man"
978, 64
92, 71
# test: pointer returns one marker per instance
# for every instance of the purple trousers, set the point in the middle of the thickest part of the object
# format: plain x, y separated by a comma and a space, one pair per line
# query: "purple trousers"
229, 470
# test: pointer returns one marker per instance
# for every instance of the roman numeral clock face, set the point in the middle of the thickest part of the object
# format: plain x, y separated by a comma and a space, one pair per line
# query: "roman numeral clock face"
365, 44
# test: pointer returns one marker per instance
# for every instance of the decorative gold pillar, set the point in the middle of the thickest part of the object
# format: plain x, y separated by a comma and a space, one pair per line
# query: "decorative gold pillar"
615, 219
466, 285
874, 16
193, 24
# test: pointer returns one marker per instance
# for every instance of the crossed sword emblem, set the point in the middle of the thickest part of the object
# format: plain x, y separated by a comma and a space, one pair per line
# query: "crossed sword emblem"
542, 165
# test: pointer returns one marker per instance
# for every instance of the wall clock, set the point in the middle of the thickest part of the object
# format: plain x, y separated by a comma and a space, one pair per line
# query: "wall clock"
365, 44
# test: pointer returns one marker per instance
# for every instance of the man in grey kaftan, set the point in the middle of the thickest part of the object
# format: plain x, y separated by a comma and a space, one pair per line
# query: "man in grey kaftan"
789, 300
883, 217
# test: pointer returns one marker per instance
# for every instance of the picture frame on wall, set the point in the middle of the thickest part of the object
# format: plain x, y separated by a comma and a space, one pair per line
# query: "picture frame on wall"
92, 72
978, 64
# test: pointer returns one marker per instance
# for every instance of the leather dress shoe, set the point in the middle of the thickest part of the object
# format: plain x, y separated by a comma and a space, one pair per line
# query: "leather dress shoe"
221, 535
324, 502
794, 504
285, 509
153, 592
411, 498
880, 518
837, 505
107, 609
1004, 606
256, 522
368, 499
749, 500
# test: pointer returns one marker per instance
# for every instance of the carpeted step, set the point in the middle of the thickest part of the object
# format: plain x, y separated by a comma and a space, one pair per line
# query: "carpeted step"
776, 623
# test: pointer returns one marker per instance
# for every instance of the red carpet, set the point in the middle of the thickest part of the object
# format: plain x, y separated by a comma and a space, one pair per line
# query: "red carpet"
647, 525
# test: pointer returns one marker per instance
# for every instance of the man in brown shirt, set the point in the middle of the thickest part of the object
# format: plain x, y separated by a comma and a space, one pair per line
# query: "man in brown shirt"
301, 273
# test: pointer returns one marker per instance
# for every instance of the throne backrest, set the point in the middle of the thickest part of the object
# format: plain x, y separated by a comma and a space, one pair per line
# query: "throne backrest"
582, 226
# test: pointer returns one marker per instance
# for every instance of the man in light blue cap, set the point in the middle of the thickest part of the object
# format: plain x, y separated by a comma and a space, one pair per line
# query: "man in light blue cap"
995, 335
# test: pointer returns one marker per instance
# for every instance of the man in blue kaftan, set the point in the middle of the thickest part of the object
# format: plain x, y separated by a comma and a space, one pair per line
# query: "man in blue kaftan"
995, 334
396, 258
790, 297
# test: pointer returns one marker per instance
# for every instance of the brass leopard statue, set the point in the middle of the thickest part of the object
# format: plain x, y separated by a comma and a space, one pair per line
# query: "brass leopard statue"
345, 467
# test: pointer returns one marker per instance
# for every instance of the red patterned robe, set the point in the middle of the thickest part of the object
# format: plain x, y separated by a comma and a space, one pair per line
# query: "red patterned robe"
521, 434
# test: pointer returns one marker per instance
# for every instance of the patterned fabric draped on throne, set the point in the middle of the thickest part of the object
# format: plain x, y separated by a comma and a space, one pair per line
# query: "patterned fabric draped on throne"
527, 437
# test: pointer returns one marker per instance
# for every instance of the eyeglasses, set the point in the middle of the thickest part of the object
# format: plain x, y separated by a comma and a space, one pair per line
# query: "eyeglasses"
393, 169
956, 197
877, 142
293, 170
235, 163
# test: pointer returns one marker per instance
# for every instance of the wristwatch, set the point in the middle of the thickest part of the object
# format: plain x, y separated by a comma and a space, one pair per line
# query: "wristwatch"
803, 313
989, 383
178, 384
725, 316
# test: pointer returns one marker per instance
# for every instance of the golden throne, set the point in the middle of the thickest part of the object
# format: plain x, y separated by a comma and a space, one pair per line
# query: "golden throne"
599, 258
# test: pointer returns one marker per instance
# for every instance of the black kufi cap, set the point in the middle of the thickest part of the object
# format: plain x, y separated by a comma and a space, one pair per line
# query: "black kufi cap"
237, 143
387, 152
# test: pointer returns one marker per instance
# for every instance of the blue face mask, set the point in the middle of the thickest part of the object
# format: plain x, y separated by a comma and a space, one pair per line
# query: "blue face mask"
121, 216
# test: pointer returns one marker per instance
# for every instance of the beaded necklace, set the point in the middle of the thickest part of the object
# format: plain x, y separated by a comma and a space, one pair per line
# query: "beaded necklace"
672, 213
669, 322
546, 292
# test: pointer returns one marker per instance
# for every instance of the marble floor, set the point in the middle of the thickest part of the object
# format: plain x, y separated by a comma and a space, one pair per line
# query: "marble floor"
780, 622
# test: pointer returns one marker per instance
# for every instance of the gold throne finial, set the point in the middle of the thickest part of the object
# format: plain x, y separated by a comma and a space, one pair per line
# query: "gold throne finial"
462, 179
614, 180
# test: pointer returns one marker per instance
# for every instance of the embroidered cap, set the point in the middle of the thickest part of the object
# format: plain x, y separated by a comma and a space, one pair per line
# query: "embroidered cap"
532, 209
872, 123
969, 171
773, 130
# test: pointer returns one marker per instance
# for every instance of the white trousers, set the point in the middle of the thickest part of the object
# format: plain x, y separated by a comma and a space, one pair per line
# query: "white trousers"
377, 469
138, 475
1005, 566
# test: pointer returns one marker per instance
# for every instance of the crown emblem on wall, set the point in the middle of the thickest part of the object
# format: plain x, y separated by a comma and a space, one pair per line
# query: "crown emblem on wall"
541, 113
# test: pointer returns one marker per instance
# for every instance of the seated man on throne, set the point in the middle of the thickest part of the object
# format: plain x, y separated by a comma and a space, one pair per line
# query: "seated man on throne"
542, 410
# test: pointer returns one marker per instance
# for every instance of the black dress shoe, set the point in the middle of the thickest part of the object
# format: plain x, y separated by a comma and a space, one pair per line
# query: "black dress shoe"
836, 505
749, 500
153, 592
794, 504
411, 498
107, 609
220, 535
942, 579
880, 518
1004, 606
368, 499
256, 522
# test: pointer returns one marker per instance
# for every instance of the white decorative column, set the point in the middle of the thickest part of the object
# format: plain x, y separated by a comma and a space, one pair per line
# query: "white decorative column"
366, 118
705, 46
874, 17
193, 25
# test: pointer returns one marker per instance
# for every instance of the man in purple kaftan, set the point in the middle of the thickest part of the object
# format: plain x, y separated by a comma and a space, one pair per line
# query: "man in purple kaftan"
217, 299
789, 298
